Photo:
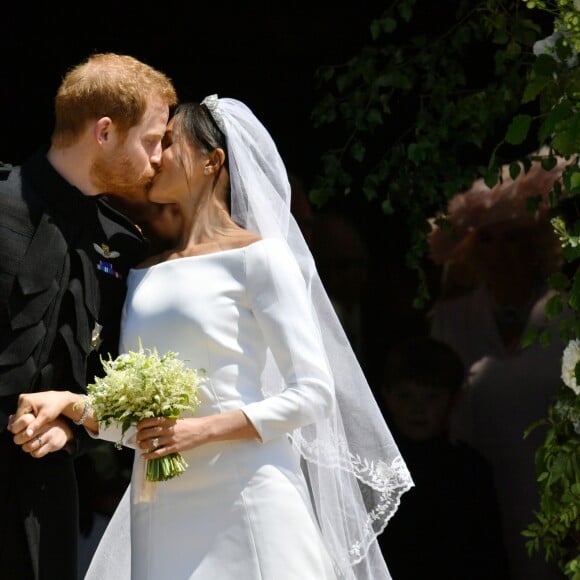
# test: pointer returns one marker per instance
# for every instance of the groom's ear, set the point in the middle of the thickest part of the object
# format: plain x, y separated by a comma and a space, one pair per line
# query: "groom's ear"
102, 130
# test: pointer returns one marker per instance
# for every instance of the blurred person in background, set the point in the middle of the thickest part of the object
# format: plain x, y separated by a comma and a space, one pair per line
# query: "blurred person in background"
494, 288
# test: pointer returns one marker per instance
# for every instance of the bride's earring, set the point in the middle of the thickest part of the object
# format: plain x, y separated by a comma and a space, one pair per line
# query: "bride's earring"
206, 171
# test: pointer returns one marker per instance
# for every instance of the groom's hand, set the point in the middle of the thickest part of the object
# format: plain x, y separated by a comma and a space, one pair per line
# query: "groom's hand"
53, 436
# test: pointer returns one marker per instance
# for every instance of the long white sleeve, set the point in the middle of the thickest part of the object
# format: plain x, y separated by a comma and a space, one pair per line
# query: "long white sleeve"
278, 299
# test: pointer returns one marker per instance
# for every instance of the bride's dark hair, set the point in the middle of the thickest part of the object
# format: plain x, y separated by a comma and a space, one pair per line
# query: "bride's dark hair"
194, 124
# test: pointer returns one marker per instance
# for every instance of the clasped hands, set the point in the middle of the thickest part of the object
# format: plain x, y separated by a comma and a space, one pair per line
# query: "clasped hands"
38, 426
41, 426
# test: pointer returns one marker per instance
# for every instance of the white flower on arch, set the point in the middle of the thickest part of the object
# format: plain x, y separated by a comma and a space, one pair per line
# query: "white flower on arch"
570, 358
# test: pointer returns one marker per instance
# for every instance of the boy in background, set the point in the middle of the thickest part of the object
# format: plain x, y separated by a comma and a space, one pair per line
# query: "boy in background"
448, 525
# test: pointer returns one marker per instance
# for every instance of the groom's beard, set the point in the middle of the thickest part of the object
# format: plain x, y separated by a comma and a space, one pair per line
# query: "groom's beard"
118, 176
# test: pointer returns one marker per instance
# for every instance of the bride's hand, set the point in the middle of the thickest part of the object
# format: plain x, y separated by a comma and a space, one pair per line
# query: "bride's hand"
160, 436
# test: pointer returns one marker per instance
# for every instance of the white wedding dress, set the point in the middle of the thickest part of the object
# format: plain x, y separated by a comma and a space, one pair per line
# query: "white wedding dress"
242, 509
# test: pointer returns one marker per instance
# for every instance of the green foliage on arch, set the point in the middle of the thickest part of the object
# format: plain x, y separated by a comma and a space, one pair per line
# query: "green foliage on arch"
442, 94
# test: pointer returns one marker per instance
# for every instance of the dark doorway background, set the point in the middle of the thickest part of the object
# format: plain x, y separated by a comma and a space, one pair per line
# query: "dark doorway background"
264, 53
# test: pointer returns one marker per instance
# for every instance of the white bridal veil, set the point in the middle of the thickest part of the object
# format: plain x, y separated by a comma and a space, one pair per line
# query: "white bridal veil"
355, 471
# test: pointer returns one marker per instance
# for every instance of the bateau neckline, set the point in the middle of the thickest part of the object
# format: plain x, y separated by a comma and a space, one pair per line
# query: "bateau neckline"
198, 256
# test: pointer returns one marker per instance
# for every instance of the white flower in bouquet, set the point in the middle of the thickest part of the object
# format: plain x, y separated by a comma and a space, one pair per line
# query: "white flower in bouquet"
570, 359
139, 385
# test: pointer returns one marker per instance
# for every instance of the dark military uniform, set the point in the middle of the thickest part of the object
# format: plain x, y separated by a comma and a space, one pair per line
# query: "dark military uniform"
64, 258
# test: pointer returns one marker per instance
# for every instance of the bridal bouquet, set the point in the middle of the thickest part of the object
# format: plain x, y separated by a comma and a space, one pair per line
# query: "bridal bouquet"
142, 384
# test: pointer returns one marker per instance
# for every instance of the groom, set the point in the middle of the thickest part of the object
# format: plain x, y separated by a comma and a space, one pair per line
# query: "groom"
64, 255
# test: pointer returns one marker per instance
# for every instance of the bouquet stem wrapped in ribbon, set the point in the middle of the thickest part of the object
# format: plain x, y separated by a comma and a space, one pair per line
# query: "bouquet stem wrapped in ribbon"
142, 384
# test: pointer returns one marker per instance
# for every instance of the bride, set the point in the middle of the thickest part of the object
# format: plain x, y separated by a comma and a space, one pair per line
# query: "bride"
292, 470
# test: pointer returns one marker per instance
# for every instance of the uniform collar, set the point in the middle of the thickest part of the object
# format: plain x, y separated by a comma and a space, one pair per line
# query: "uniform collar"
55, 191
